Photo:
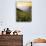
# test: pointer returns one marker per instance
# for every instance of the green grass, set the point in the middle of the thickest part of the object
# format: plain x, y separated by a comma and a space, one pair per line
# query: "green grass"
22, 16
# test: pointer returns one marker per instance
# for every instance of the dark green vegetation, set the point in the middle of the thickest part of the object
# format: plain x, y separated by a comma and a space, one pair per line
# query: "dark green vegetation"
23, 16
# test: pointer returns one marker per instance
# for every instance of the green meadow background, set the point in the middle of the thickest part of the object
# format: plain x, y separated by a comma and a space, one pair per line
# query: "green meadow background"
24, 16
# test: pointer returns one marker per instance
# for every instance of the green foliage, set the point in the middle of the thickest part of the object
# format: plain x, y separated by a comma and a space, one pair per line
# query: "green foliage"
23, 16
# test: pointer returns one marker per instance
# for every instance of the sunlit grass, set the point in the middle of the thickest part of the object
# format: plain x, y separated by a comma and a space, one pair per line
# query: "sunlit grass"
23, 16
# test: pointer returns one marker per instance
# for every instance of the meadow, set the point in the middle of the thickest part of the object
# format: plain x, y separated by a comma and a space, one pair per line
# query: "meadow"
24, 16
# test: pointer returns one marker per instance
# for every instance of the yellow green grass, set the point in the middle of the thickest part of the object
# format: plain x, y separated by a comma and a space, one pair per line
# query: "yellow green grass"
23, 16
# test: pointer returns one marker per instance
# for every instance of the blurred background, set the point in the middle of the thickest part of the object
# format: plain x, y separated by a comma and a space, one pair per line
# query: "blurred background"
31, 30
